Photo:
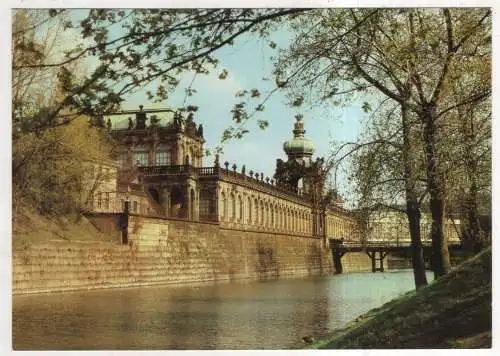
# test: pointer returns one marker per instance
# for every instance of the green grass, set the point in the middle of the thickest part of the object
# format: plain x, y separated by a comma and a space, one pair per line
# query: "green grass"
452, 312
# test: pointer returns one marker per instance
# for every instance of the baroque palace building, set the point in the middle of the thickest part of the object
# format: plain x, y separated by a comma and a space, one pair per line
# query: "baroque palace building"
160, 171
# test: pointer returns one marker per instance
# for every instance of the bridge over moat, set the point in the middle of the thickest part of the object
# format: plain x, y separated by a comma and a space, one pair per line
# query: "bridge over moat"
378, 250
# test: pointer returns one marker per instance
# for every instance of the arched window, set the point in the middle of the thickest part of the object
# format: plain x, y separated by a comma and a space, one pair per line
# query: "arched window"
305, 221
240, 209
180, 155
236, 213
265, 210
230, 209
140, 155
222, 206
162, 157
249, 209
233, 206
193, 157
176, 202
261, 221
272, 216
256, 211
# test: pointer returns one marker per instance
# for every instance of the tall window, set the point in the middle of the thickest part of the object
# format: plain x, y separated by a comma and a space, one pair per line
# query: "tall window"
204, 206
249, 209
162, 157
193, 157
99, 200
134, 206
240, 209
231, 206
256, 211
140, 156
222, 206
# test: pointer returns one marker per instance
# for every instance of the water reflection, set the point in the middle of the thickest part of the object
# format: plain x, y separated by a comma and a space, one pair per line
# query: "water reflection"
244, 315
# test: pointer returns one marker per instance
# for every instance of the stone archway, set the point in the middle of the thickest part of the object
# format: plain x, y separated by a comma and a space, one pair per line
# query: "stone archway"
155, 195
177, 202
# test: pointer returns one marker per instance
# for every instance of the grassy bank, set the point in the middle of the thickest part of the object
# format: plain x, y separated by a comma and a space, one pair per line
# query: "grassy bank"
453, 312
30, 227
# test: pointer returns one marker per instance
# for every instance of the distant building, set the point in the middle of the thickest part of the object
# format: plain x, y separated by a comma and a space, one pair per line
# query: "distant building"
391, 224
105, 192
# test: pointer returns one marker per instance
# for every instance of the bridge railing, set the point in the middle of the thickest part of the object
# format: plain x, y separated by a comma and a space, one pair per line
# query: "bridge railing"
381, 244
170, 169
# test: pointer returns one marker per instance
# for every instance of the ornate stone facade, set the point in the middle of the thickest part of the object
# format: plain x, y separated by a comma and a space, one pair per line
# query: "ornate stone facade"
163, 151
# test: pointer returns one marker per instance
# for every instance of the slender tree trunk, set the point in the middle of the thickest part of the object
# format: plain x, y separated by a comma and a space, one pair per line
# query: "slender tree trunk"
412, 206
473, 228
417, 255
435, 183
473, 233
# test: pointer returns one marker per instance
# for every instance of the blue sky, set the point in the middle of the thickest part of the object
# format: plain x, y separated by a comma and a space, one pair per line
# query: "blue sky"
247, 63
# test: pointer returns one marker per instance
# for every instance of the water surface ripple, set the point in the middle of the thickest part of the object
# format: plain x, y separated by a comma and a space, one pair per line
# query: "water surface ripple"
243, 315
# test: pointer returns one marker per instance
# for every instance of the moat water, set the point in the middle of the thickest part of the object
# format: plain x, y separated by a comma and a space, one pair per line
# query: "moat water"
243, 315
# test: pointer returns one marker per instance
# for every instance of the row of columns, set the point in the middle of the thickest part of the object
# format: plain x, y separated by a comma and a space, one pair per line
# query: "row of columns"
253, 212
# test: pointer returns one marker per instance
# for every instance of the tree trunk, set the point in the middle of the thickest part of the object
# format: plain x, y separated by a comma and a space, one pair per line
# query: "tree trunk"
417, 252
473, 234
435, 183
412, 207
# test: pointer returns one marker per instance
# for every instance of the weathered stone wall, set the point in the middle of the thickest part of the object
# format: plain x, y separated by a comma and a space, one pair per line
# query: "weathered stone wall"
167, 251
231, 253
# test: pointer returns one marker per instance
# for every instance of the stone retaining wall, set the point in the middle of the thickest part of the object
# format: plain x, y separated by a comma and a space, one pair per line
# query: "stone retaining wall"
163, 251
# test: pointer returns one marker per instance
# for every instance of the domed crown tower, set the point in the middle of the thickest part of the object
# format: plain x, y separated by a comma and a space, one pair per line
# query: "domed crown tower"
296, 173
299, 148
